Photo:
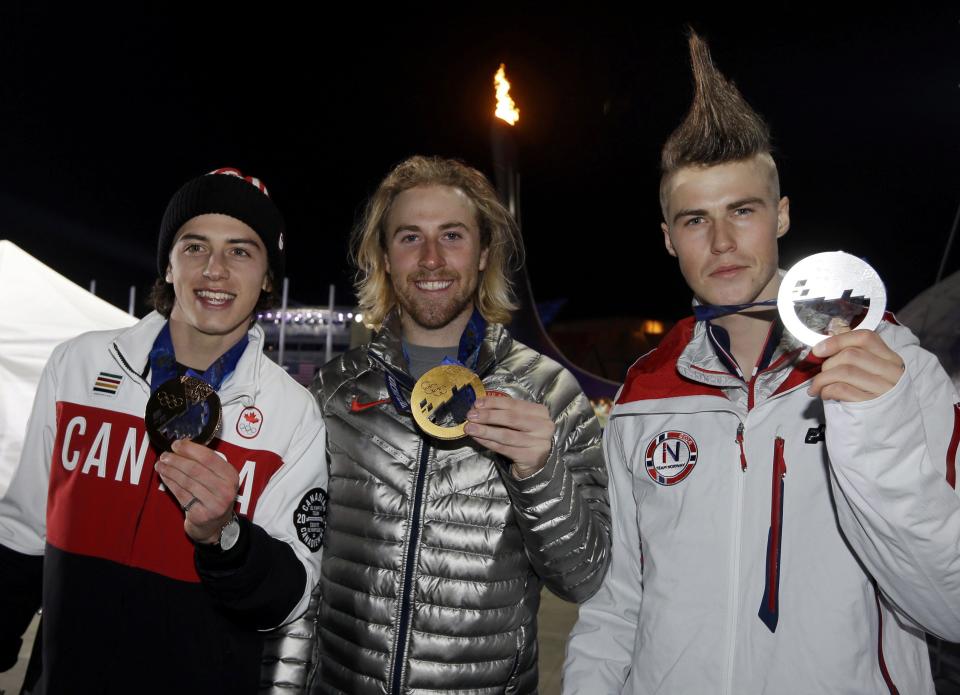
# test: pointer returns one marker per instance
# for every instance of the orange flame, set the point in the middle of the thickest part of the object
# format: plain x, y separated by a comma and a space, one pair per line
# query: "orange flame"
506, 109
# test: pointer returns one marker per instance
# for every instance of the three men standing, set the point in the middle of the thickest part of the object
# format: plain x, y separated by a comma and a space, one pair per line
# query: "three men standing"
783, 519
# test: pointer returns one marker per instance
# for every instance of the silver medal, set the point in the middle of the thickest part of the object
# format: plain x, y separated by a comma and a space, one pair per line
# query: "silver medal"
830, 293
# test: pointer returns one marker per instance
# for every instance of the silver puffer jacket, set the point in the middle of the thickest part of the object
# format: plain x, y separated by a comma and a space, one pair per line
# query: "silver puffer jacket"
434, 555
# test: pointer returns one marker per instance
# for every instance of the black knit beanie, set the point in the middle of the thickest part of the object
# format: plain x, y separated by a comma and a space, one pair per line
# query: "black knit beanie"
228, 192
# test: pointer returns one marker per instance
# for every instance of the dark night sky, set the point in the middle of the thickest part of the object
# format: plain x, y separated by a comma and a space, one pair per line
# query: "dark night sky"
103, 115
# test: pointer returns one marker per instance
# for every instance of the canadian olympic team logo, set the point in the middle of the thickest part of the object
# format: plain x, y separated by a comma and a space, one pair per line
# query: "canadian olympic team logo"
671, 457
249, 422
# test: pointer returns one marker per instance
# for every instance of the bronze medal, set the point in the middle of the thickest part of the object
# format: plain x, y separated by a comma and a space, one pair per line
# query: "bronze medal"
183, 408
441, 398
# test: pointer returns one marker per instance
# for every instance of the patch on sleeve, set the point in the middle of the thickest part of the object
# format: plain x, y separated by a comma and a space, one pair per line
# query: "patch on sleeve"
310, 518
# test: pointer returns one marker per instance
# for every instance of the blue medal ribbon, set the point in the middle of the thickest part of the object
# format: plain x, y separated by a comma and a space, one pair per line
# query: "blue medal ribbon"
400, 401
708, 312
163, 362
470, 341
468, 353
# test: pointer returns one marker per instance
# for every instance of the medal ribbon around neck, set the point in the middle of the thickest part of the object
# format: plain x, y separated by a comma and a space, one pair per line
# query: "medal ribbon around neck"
163, 362
185, 407
468, 354
708, 312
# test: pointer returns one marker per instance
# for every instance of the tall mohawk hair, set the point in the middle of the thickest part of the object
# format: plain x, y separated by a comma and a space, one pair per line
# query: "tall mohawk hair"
720, 126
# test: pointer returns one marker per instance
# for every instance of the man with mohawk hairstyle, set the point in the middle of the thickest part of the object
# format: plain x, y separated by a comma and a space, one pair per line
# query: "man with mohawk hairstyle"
784, 519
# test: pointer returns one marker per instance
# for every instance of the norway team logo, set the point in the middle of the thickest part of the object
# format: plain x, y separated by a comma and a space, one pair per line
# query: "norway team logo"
248, 424
671, 457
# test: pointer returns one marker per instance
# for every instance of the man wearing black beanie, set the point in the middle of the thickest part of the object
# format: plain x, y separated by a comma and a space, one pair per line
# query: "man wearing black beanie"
162, 558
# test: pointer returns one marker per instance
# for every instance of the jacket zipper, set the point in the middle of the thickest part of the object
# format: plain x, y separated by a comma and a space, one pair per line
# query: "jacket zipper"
515, 671
952, 449
769, 611
400, 651
891, 687
750, 389
732, 598
743, 456
734, 580
126, 365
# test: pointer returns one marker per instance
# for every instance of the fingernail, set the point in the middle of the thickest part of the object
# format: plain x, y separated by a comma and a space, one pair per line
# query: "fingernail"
472, 414
470, 429
818, 349
478, 403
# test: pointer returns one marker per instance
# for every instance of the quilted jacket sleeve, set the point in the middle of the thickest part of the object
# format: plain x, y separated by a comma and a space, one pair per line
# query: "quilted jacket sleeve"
894, 473
562, 510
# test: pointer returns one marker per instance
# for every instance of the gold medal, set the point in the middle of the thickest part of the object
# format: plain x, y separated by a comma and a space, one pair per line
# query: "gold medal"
441, 398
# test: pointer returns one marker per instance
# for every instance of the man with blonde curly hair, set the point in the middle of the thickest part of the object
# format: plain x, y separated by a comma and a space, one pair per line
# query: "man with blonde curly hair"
499, 239
437, 550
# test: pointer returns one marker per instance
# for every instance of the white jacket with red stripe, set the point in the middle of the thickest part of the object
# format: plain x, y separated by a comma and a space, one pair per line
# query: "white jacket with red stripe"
755, 551
119, 569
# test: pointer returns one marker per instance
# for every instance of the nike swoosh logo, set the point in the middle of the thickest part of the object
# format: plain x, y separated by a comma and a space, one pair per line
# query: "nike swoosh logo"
356, 406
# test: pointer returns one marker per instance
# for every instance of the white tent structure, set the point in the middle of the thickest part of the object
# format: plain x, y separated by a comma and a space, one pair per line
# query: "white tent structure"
934, 315
39, 308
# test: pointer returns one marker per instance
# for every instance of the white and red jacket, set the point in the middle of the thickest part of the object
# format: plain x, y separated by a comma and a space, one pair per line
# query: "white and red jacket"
766, 541
120, 574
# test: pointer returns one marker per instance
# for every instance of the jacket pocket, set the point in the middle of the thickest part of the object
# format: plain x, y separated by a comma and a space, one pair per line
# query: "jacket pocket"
313, 666
769, 611
514, 679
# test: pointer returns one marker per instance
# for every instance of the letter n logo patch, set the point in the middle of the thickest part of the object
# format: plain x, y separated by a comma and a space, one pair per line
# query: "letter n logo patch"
670, 457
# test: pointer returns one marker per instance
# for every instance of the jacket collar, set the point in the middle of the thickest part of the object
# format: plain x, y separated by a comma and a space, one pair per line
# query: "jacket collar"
386, 347
132, 346
699, 362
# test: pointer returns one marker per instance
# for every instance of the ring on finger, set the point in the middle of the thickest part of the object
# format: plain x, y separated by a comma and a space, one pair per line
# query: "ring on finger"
189, 505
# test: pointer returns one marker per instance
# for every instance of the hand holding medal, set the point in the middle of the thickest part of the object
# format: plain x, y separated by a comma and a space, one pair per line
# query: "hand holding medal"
205, 486
519, 430
182, 417
833, 302
450, 402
